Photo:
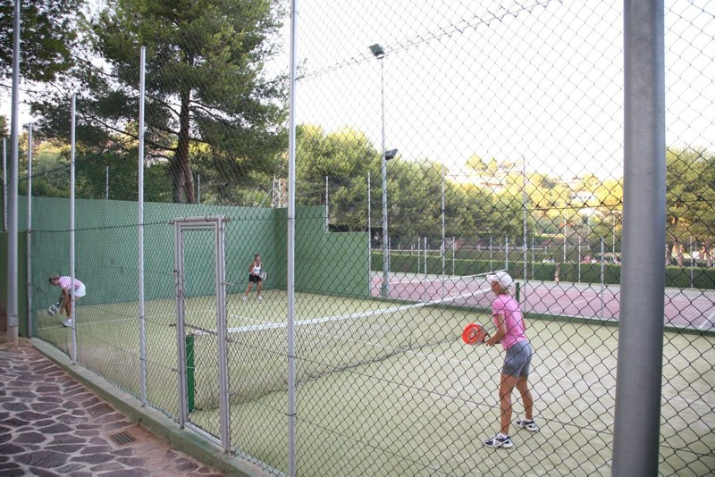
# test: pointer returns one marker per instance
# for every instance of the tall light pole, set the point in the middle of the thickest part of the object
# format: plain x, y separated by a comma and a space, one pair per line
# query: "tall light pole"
379, 53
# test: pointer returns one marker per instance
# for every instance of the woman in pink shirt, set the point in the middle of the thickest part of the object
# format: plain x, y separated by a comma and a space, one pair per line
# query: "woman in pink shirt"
511, 334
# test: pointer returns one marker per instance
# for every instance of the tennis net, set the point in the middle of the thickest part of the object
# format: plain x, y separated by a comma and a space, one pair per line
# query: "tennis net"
258, 354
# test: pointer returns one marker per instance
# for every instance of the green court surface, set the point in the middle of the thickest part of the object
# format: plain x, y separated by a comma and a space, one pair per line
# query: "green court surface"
390, 388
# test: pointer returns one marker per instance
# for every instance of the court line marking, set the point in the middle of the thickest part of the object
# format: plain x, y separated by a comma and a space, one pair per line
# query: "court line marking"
708, 320
563, 308
325, 319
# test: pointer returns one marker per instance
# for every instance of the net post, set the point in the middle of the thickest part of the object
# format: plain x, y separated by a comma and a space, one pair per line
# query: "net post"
190, 367
518, 292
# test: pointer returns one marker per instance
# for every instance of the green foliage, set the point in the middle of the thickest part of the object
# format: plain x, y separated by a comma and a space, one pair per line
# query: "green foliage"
48, 32
116, 172
695, 277
345, 157
209, 106
413, 189
690, 194
50, 169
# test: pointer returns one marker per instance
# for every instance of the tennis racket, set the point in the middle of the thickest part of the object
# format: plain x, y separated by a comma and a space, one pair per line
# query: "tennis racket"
474, 334
263, 275
55, 307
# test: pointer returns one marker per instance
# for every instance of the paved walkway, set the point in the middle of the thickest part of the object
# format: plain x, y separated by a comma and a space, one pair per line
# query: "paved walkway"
51, 425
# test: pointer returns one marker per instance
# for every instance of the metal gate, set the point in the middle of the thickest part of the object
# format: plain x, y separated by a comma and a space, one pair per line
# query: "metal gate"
199, 259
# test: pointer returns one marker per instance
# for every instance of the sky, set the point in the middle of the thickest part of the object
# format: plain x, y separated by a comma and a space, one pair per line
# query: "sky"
533, 80
539, 80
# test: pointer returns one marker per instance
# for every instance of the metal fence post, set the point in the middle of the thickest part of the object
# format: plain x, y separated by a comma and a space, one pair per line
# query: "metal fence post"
640, 350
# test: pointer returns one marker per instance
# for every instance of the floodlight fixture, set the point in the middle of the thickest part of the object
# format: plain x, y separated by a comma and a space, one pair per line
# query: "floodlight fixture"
377, 51
390, 154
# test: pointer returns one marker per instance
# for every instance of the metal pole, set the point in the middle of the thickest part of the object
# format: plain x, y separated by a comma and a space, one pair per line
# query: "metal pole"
613, 233
220, 233
426, 297
490, 253
72, 229
454, 255
140, 228
424, 255
12, 246
29, 231
691, 263
198, 186
524, 198
506, 253
369, 238
533, 256
588, 236
180, 328
385, 292
579, 259
106, 184
442, 247
640, 350
419, 248
327, 210
4, 185
291, 241
603, 278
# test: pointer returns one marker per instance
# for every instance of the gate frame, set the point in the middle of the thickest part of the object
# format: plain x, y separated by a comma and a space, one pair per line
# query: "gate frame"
217, 223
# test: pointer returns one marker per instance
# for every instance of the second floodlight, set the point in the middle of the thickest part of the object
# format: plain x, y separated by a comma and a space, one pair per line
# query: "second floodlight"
390, 154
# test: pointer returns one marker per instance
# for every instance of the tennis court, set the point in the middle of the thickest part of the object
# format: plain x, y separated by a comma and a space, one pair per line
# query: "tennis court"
684, 308
395, 377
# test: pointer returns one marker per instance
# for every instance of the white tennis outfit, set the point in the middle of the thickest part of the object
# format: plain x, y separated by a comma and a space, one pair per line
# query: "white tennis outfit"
79, 289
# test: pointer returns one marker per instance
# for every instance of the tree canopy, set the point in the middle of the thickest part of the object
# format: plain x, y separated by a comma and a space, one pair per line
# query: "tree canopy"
689, 196
48, 32
207, 98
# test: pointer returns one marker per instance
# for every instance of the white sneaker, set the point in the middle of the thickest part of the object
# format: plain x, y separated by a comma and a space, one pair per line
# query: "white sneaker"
529, 425
244, 298
67, 323
500, 440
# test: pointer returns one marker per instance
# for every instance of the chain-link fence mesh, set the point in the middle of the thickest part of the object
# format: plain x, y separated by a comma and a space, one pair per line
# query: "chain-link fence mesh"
436, 143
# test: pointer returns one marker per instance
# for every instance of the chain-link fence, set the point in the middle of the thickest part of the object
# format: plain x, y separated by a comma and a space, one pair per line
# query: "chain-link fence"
436, 143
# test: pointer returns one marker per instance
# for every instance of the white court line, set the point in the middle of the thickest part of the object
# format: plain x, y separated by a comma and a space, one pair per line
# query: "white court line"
562, 308
708, 321
436, 279
325, 319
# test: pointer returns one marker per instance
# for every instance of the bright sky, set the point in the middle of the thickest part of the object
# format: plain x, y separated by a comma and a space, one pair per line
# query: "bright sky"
504, 79
539, 79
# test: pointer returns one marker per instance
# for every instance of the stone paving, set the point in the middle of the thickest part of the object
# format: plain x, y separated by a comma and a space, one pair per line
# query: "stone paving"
51, 425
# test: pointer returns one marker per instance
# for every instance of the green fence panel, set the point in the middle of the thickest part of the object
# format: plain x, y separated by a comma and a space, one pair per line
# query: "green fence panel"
21, 277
